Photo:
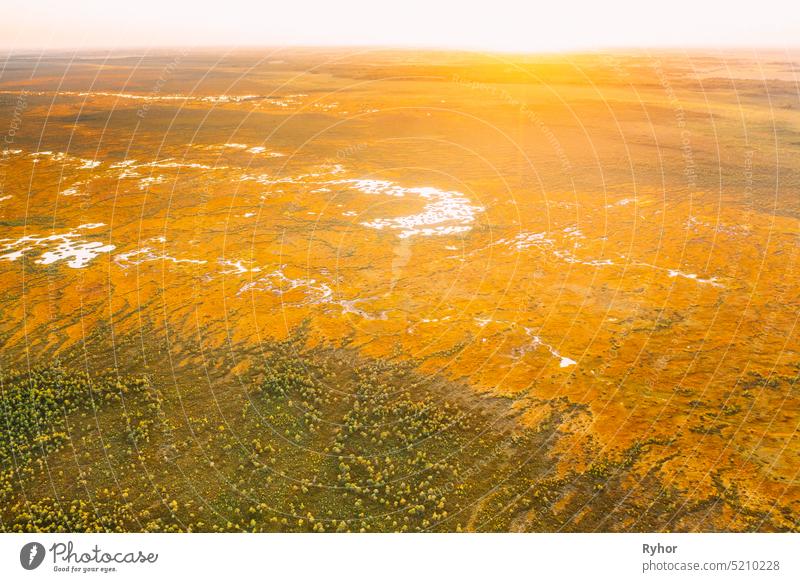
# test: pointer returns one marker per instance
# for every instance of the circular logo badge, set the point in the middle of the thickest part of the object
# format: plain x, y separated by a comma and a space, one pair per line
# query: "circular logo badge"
31, 555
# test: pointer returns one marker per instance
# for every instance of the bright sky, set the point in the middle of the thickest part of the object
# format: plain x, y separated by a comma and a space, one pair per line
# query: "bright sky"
504, 25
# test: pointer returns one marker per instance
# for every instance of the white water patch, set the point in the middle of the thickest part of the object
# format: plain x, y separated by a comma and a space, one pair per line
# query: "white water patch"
165, 97
229, 98
263, 150
673, 273
80, 163
711, 281
68, 246
146, 255
696, 225
278, 283
169, 163
326, 106
623, 202
89, 164
145, 183
13, 256
123, 164
79, 254
446, 212
293, 100
236, 267
73, 191
264, 179
136, 96
312, 177
569, 257
7, 197
336, 169
526, 240
314, 292
348, 306
54, 156
520, 242
573, 232
434, 319
536, 343
129, 167
255, 150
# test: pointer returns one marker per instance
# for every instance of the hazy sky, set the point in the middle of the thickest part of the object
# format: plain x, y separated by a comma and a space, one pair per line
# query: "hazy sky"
508, 25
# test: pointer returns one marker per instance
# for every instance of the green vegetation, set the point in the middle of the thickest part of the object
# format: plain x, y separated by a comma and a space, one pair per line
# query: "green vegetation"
36, 407
312, 439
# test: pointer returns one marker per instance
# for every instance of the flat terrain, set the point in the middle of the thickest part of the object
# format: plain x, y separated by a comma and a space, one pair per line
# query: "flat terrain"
340, 290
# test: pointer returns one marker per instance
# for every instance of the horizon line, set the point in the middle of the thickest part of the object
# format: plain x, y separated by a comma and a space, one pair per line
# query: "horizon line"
42, 51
